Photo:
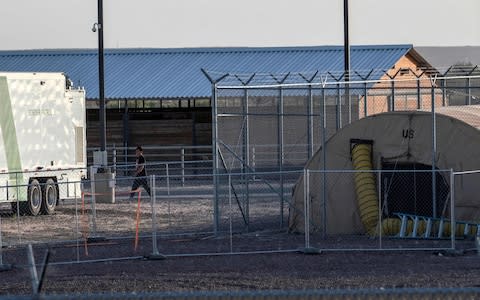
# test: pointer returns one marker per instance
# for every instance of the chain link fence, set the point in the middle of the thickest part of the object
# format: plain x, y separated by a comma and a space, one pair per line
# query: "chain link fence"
243, 213
377, 210
294, 117
258, 197
247, 212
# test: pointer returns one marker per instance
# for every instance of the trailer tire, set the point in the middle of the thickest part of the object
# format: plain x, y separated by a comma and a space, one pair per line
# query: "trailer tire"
49, 197
33, 204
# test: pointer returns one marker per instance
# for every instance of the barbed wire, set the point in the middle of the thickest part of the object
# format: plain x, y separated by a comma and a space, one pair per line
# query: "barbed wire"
305, 78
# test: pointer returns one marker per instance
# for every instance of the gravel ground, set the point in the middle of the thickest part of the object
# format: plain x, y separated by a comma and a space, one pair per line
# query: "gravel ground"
246, 272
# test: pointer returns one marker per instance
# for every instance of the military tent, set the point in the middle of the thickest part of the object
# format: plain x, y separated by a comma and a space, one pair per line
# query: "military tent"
394, 142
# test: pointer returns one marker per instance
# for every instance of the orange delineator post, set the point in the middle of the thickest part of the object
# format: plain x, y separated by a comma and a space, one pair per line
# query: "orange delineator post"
86, 227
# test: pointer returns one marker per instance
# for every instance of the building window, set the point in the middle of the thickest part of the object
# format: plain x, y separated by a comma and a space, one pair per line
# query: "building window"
170, 103
202, 103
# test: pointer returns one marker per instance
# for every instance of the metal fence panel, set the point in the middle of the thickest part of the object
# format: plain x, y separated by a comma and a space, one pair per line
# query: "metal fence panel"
377, 210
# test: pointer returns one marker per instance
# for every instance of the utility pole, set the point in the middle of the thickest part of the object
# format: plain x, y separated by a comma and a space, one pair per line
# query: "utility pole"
102, 154
104, 176
346, 43
346, 40
101, 78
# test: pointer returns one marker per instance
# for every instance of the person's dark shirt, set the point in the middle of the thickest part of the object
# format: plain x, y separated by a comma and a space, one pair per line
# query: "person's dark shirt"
141, 162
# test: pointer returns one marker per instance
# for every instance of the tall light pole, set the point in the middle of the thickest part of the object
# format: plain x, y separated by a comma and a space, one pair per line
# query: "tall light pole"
346, 44
104, 176
101, 76
346, 41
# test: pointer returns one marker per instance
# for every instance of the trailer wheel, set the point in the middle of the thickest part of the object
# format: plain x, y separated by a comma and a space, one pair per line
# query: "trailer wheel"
34, 203
49, 197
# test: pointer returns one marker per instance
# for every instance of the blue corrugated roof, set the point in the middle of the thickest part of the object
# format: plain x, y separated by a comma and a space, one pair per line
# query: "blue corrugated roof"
176, 73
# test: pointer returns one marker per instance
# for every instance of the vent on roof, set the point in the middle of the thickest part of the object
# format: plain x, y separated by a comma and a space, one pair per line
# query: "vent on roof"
404, 71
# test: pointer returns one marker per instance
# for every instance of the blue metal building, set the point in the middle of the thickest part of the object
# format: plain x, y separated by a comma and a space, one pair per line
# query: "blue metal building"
173, 85
176, 73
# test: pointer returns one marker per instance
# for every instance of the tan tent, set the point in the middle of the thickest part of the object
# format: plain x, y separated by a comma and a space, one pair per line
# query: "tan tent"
397, 139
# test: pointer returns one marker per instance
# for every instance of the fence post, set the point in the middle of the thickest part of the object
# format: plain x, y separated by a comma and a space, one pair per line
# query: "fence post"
253, 162
338, 108
1, 244
18, 199
114, 154
379, 197
453, 225
230, 210
306, 208
168, 178
125, 160
182, 160
77, 227
3, 267
94, 213
434, 150
17, 213
33, 269
306, 198
155, 254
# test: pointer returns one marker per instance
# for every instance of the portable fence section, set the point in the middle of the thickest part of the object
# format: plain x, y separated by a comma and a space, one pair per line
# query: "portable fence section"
39, 211
261, 212
376, 210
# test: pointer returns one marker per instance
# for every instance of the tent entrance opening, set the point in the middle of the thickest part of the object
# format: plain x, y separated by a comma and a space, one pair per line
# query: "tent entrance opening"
409, 190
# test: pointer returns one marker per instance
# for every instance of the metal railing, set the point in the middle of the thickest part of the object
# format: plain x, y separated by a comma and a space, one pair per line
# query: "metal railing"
126, 155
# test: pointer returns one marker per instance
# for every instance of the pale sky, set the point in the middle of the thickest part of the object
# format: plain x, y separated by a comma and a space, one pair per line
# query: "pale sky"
35, 24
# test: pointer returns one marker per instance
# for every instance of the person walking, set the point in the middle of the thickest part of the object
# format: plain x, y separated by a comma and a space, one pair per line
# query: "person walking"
140, 173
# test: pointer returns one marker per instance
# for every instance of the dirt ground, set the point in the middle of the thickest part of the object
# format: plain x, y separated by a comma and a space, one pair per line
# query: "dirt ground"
241, 272
81, 264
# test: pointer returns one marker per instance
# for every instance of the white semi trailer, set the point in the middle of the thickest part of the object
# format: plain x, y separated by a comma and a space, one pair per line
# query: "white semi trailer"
42, 140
